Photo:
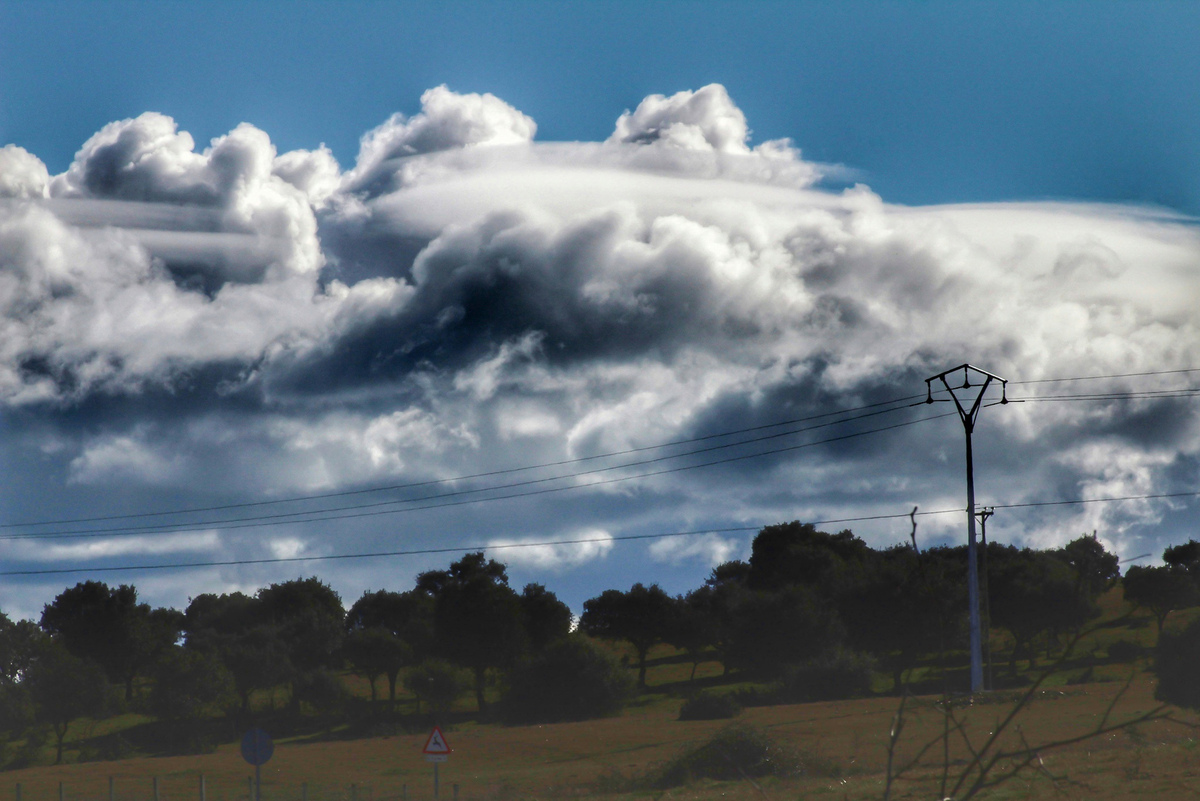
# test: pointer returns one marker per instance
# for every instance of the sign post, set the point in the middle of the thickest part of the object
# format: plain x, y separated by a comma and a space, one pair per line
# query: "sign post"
257, 749
437, 751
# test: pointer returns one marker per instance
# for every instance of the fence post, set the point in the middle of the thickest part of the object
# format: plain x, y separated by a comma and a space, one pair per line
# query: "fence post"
250, 788
62, 792
304, 791
112, 793
201, 787
18, 791
155, 788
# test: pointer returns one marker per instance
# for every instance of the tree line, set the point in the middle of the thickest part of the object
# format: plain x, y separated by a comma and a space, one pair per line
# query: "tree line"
811, 613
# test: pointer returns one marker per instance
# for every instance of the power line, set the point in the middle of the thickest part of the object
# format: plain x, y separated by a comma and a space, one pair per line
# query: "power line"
552, 543
487, 474
297, 499
422, 551
259, 523
1183, 392
356, 510
1111, 375
1114, 499
332, 513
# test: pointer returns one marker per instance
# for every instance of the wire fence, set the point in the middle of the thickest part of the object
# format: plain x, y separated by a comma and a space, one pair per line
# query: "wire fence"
201, 788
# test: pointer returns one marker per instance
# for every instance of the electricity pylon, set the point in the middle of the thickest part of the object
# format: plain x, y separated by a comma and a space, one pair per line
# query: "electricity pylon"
968, 417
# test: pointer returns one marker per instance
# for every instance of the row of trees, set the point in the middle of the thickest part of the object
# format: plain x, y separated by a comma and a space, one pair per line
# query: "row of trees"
802, 595
465, 620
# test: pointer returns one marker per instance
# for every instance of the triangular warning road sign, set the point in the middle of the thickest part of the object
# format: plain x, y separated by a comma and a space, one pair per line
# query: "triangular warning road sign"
436, 744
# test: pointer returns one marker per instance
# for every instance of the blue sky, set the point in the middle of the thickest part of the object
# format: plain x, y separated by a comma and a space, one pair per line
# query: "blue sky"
933, 102
239, 316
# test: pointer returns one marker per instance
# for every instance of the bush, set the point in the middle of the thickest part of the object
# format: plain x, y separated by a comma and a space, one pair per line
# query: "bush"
187, 682
836, 674
710, 706
185, 739
1177, 663
16, 708
738, 752
322, 690
108, 748
437, 683
30, 754
1124, 651
572, 679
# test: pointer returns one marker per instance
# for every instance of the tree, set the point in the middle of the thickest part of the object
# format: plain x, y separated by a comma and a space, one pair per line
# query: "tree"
64, 687
233, 627
258, 659
18, 645
571, 679
1035, 593
717, 601
227, 613
693, 629
321, 689
478, 621
374, 652
1186, 557
1160, 590
438, 683
547, 619
407, 617
642, 616
797, 553
310, 618
787, 627
1095, 568
109, 626
897, 614
186, 681
16, 708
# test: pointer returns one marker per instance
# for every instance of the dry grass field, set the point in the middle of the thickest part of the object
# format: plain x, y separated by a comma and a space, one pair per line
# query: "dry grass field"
845, 742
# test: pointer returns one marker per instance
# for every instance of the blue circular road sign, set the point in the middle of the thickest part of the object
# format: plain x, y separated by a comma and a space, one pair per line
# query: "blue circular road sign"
257, 747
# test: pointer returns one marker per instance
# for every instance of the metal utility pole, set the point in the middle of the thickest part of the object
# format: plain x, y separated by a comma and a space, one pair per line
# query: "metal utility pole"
968, 417
983, 515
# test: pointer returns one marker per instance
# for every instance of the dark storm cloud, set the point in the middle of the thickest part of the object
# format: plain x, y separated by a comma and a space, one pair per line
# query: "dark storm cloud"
233, 323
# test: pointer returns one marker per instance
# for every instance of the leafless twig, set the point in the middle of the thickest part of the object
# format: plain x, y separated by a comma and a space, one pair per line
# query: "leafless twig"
989, 764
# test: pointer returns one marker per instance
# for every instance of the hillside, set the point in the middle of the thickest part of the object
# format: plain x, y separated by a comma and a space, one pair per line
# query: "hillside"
842, 744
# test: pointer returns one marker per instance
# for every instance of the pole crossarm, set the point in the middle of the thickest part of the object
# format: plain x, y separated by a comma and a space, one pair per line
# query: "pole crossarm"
967, 416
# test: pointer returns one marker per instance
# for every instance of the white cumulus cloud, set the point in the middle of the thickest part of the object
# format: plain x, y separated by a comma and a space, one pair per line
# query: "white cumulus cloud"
589, 545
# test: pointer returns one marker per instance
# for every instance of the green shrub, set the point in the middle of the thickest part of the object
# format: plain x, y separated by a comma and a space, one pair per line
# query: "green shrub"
1177, 663
187, 682
1124, 651
710, 706
16, 708
438, 684
740, 752
834, 675
322, 690
108, 748
572, 679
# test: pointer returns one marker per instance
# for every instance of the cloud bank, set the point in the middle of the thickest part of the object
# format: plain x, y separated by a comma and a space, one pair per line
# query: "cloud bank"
231, 323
